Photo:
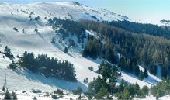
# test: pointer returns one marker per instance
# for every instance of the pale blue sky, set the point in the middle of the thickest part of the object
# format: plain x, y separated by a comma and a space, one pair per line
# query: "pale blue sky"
144, 10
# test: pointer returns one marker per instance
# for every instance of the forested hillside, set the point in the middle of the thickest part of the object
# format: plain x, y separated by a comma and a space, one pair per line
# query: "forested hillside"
135, 49
142, 28
66, 50
120, 46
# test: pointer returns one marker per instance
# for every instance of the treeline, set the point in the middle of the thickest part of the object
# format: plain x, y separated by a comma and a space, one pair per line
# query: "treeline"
96, 48
105, 85
142, 28
68, 27
135, 49
161, 89
10, 96
50, 67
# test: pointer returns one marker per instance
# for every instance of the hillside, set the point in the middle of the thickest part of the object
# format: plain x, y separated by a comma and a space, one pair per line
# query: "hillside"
26, 27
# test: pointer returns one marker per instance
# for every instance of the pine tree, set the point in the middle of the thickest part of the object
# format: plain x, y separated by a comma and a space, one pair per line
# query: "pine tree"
66, 50
14, 96
141, 75
8, 53
122, 63
7, 95
53, 40
102, 92
34, 98
145, 73
3, 88
145, 90
126, 95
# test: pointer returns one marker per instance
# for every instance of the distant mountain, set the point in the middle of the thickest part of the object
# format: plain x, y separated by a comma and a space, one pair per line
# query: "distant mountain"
165, 22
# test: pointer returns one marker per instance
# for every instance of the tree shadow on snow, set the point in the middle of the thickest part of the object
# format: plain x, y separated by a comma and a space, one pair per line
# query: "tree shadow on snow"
66, 85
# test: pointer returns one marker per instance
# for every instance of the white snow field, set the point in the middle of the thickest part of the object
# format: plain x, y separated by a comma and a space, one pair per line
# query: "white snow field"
151, 80
17, 16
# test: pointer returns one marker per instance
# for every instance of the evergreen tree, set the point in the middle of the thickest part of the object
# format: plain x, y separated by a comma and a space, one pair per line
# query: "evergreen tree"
34, 98
7, 52
145, 90
141, 75
50, 67
102, 92
3, 88
53, 40
37, 18
145, 73
123, 64
14, 96
7, 95
66, 50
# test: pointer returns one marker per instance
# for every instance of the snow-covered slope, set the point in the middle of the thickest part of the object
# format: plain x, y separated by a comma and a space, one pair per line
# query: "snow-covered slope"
64, 10
26, 39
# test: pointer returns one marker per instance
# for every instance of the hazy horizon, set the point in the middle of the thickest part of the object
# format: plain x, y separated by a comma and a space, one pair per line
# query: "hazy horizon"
150, 11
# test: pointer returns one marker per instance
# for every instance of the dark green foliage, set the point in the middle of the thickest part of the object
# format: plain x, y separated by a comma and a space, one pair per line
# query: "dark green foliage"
7, 95
104, 86
86, 80
66, 50
95, 48
95, 88
101, 87
137, 43
107, 71
133, 67
69, 27
36, 30
141, 75
145, 91
92, 48
76, 3
8, 53
50, 67
161, 89
145, 73
90, 68
36, 91
123, 63
14, 96
53, 40
153, 69
128, 91
125, 95
54, 96
102, 93
37, 18
136, 49
34, 98
59, 92
12, 66
130, 66
3, 88
142, 28
15, 29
